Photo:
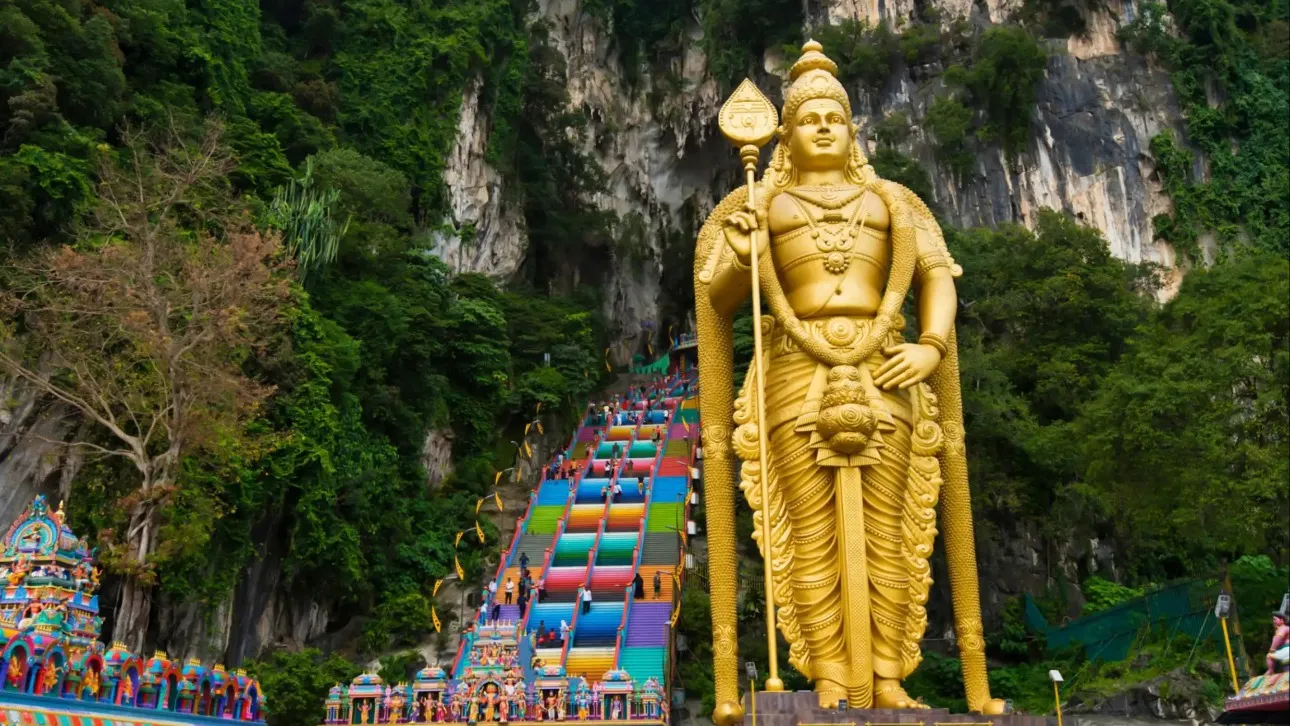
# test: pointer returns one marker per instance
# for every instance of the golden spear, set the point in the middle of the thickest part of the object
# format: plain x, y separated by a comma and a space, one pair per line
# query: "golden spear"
748, 120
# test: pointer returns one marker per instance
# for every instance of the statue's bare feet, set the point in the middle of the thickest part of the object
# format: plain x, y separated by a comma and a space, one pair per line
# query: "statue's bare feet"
829, 693
994, 707
889, 694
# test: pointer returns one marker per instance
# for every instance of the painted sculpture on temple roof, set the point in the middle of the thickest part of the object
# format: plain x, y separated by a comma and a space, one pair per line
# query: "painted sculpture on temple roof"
49, 617
846, 441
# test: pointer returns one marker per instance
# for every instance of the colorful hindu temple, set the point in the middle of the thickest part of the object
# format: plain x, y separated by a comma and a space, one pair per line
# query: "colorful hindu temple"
54, 669
577, 625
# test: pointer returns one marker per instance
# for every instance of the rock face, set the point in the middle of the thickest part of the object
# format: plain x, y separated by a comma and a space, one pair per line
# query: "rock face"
32, 459
1097, 109
486, 234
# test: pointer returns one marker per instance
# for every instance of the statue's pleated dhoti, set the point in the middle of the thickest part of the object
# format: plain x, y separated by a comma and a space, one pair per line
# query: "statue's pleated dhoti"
850, 578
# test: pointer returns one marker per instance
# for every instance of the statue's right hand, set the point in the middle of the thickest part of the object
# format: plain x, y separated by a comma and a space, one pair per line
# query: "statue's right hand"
740, 228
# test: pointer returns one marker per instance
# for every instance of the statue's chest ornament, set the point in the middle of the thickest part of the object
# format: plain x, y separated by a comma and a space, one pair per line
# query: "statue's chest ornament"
834, 234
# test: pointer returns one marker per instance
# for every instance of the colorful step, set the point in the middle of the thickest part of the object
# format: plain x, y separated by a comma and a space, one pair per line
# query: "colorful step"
643, 663
545, 520
665, 517
648, 624
616, 548
585, 517
589, 663
661, 548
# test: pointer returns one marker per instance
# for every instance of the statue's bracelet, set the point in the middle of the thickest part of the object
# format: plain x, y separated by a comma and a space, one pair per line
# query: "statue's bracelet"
935, 341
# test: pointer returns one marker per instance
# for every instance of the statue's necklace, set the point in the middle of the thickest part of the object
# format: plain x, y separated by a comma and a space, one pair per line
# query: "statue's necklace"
834, 235
827, 197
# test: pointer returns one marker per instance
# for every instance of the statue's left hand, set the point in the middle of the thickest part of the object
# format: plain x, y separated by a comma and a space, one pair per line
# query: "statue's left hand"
907, 364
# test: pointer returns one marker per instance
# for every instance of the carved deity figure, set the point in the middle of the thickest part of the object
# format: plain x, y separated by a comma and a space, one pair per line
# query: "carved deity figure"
91, 684
863, 428
49, 679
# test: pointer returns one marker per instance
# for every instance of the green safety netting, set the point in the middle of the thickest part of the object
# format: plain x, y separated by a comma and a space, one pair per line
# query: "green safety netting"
1185, 608
658, 367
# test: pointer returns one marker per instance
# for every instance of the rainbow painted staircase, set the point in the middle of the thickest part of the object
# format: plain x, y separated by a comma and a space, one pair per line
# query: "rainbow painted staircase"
574, 537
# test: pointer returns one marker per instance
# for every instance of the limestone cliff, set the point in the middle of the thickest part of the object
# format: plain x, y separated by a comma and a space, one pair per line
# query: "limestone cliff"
1097, 109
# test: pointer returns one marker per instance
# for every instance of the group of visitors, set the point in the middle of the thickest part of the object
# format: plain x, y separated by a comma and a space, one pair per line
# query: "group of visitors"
514, 593
551, 638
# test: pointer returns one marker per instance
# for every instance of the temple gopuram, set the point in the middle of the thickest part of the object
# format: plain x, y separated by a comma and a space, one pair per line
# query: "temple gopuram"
55, 671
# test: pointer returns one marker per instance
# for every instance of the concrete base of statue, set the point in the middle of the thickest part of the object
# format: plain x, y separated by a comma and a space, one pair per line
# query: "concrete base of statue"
801, 708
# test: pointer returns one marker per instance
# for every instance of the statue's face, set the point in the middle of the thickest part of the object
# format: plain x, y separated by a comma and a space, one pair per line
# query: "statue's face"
821, 137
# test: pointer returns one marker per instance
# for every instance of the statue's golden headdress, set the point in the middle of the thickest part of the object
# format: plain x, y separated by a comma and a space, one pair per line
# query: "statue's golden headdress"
814, 75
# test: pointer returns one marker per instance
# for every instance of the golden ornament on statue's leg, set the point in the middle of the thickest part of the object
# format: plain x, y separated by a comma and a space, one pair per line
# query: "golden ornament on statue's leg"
846, 437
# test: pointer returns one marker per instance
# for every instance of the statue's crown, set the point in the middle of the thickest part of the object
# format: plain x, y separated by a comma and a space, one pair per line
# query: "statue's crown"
814, 75
813, 59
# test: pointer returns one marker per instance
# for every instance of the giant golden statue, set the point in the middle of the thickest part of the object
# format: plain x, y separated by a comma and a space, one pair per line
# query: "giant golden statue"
863, 431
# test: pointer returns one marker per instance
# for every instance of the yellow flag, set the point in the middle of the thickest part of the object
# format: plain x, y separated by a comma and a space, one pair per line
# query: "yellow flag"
479, 531
669, 335
458, 540
539, 425
539, 408
528, 450
478, 504
461, 574
650, 348
497, 498
527, 426
434, 616
435, 592
496, 478
607, 368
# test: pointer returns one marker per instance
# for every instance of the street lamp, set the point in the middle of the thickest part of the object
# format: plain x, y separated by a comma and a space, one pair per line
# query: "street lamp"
1222, 607
1056, 677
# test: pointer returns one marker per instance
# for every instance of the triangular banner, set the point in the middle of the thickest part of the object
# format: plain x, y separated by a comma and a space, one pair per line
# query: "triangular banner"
458, 540
497, 498
479, 531
434, 617
435, 592
456, 563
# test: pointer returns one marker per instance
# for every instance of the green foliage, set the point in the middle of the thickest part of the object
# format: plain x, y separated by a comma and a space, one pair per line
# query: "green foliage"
1231, 70
737, 32
295, 683
1258, 585
367, 188
1007, 65
1045, 316
1102, 594
864, 54
646, 31
949, 121
302, 214
398, 621
893, 165
695, 669
1200, 403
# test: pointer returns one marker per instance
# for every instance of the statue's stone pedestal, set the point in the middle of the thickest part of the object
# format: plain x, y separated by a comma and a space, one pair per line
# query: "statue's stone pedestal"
801, 709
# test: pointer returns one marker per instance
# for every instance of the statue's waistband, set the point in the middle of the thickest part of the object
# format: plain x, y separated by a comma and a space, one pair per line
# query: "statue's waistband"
839, 332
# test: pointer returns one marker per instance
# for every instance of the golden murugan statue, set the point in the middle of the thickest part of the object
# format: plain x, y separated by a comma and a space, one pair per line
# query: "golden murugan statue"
863, 428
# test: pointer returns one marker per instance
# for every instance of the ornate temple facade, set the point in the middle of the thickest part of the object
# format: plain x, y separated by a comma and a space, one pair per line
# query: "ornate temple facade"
54, 668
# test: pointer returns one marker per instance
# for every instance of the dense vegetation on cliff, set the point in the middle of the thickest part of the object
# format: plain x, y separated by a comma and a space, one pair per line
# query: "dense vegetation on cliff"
1092, 410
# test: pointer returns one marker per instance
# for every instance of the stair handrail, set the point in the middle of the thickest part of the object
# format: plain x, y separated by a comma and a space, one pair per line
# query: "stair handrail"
622, 624
521, 524
461, 650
